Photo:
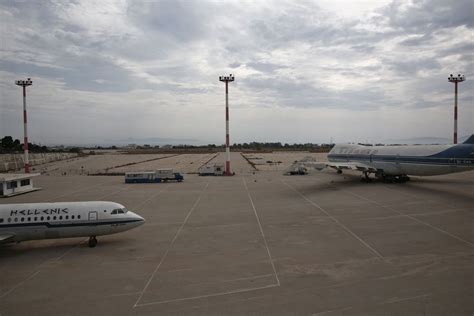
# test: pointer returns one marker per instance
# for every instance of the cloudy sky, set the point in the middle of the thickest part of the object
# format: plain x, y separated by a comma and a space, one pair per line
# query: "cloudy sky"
306, 71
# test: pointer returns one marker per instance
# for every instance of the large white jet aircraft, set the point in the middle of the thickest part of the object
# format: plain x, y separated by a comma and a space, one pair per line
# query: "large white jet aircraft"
396, 163
20, 222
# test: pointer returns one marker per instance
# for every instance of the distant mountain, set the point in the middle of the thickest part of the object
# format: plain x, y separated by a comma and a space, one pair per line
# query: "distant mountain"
154, 141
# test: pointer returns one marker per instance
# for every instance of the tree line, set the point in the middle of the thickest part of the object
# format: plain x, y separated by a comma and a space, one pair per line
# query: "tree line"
10, 145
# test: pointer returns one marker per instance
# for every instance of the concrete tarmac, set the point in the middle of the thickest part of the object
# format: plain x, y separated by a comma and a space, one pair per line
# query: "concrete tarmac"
255, 244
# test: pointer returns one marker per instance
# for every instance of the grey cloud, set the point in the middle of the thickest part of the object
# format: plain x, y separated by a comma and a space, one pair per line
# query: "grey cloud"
410, 66
429, 15
28, 69
464, 49
86, 70
364, 48
304, 95
265, 67
86, 73
182, 20
423, 40
185, 45
28, 12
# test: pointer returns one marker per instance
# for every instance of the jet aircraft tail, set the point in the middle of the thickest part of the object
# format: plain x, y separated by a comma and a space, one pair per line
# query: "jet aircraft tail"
470, 140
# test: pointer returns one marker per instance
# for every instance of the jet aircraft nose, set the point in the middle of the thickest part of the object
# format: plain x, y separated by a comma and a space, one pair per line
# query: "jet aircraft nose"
140, 219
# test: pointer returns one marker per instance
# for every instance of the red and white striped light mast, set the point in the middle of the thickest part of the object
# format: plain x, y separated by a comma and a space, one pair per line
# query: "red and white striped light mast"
24, 84
227, 79
455, 80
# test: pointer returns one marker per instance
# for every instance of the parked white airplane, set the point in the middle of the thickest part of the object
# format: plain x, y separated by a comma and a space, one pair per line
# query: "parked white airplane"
20, 222
395, 163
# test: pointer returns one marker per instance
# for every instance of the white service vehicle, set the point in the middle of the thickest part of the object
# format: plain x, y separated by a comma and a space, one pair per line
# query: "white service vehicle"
212, 170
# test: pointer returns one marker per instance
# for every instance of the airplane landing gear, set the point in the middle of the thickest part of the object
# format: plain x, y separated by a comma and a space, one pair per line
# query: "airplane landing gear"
396, 179
339, 171
366, 178
92, 242
403, 178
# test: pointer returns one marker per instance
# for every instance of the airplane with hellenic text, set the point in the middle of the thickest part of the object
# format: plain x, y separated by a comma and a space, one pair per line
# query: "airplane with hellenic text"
396, 163
33, 221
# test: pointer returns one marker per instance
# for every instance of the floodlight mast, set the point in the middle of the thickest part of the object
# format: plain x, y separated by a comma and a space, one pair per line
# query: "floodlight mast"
24, 84
455, 80
227, 79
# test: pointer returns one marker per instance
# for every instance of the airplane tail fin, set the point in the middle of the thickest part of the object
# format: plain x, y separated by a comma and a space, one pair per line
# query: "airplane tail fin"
470, 140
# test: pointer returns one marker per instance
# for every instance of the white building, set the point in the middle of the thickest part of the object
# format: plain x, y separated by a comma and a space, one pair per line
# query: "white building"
12, 184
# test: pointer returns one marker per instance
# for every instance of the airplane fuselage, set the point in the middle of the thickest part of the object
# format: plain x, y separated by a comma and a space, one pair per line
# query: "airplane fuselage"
417, 160
20, 222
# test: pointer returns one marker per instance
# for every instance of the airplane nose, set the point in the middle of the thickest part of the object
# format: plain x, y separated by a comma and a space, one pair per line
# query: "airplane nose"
141, 219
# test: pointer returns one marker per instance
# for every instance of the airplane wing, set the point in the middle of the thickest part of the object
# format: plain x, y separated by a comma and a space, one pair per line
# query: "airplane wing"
352, 166
358, 166
6, 238
315, 165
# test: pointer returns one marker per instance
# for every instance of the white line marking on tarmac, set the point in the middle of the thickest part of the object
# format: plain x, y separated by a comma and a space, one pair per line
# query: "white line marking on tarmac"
112, 193
122, 294
141, 204
20, 284
194, 284
39, 268
391, 301
248, 278
80, 190
336, 221
170, 246
397, 300
332, 311
261, 231
464, 209
411, 217
210, 295
224, 303
256, 277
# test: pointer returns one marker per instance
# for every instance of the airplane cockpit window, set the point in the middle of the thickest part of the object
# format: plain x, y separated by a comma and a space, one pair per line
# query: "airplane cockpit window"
119, 211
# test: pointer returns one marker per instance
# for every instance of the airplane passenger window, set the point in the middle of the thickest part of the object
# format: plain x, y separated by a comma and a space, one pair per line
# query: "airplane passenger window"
60, 217
22, 219
54, 217
1, 220
16, 219
36, 218
48, 218
29, 219
78, 216
72, 217
42, 218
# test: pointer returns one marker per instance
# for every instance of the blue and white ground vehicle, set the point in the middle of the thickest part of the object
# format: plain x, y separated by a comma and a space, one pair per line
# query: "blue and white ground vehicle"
160, 175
